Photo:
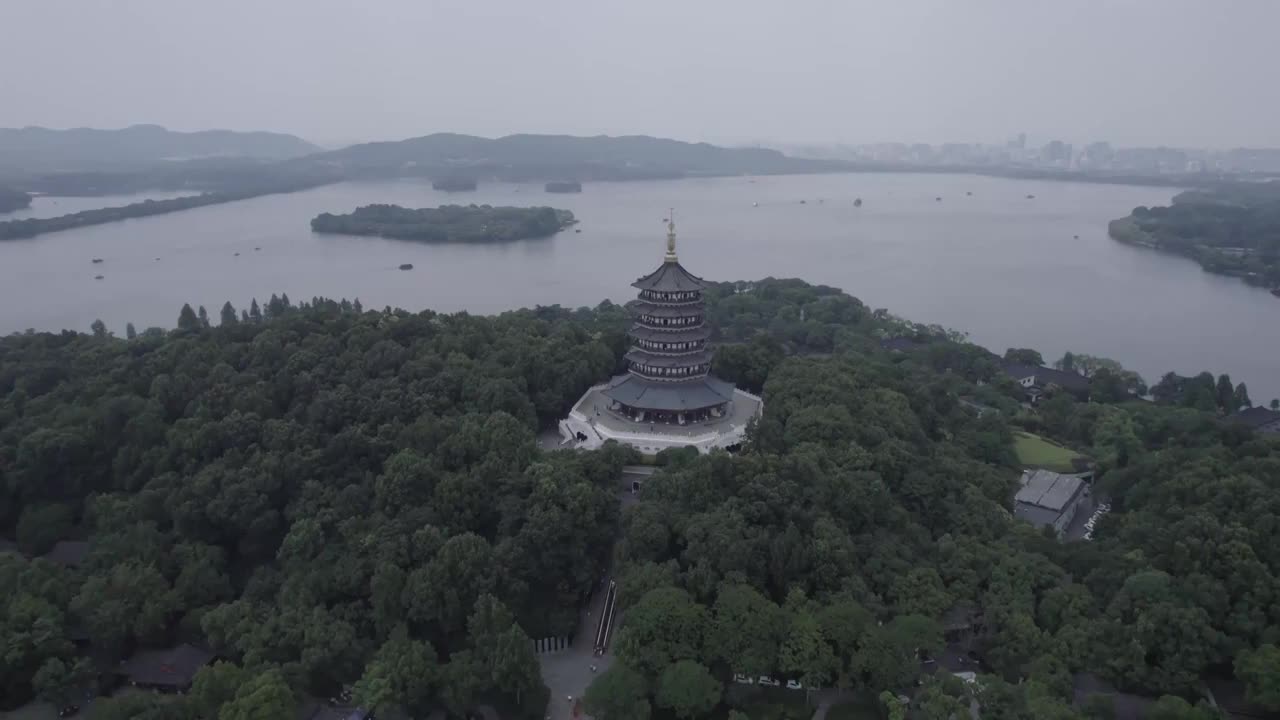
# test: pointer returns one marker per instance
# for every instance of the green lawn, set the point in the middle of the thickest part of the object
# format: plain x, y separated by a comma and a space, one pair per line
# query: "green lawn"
1035, 451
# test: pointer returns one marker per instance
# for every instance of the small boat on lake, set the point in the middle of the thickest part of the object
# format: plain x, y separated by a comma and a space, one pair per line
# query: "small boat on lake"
1275, 291
1031, 197
857, 202
406, 266
97, 277
97, 261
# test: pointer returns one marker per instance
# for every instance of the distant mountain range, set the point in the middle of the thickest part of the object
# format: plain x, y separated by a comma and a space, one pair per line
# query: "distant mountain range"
36, 150
552, 157
146, 157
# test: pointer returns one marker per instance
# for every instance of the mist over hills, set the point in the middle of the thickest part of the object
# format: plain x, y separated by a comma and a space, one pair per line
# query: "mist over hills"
522, 157
34, 150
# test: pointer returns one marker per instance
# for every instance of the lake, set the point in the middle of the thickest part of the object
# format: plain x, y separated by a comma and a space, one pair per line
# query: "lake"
1006, 269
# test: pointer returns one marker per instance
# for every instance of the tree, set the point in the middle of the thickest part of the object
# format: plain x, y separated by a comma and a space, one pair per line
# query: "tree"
1260, 671
187, 319
255, 312
1024, 356
920, 592
99, 329
895, 708
203, 316
1067, 363
228, 315
1275, 403
265, 696
745, 631
688, 689
664, 627
58, 682
1226, 394
130, 332
403, 673
619, 693
215, 685
805, 653
1240, 399
501, 647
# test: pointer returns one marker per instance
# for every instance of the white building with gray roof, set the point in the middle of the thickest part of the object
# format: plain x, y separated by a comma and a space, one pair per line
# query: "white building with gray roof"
1049, 499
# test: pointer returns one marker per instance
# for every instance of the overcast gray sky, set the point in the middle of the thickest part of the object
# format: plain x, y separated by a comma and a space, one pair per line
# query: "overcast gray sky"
1179, 72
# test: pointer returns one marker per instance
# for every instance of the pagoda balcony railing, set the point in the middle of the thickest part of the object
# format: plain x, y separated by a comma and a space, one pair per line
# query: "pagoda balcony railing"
671, 303
649, 323
668, 378
659, 351
651, 296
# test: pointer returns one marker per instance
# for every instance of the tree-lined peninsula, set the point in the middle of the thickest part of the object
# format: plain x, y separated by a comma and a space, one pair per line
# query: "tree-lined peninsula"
1232, 230
447, 223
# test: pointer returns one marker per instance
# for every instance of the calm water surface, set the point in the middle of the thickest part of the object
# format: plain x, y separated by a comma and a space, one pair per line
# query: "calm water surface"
1004, 268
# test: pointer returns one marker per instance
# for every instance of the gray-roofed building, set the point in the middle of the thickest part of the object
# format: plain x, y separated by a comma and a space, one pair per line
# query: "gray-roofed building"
668, 397
68, 553
169, 670
1260, 419
1049, 499
1036, 380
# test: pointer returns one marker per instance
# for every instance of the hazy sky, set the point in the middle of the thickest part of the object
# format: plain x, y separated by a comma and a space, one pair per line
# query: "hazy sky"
1177, 72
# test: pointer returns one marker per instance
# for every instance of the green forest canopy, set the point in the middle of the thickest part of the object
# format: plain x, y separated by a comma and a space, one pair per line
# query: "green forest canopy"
327, 495
1233, 230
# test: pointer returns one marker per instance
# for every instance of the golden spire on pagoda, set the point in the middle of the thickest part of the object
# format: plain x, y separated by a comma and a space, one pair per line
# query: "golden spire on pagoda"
671, 236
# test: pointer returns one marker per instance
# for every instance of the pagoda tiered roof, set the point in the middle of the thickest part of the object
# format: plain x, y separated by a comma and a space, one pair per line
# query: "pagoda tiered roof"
674, 335
668, 360
680, 396
671, 277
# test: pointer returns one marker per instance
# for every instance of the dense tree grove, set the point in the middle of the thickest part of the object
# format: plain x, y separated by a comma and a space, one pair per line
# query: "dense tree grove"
330, 496
338, 495
872, 508
447, 223
1234, 230
11, 200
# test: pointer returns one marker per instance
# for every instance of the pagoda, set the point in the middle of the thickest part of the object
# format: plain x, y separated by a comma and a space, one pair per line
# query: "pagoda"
668, 396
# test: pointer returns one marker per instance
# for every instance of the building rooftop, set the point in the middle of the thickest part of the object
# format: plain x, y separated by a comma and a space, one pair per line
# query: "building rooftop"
671, 277
1048, 490
683, 334
1047, 376
174, 667
68, 553
1255, 417
744, 408
677, 396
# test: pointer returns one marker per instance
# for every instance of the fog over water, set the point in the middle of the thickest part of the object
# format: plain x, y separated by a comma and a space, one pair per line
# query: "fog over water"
1004, 268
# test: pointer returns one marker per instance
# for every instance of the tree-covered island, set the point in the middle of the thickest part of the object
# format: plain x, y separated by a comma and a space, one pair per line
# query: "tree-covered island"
447, 223
1231, 230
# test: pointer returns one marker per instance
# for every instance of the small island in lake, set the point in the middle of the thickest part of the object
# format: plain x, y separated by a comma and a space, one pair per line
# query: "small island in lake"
447, 223
454, 184
563, 187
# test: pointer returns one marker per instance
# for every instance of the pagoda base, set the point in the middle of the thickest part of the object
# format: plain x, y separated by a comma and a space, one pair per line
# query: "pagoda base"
592, 423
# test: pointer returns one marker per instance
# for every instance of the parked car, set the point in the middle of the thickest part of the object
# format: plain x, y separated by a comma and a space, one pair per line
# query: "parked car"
794, 685
743, 679
766, 680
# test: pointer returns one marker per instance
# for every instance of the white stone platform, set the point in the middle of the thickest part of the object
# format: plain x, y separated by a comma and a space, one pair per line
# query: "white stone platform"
591, 417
